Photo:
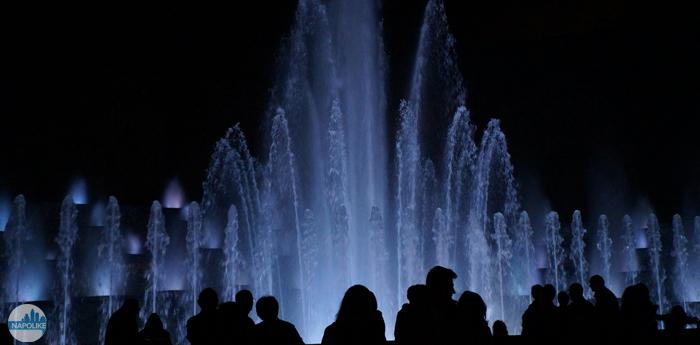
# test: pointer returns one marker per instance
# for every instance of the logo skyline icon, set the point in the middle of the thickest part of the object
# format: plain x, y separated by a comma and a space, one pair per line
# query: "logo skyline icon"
27, 323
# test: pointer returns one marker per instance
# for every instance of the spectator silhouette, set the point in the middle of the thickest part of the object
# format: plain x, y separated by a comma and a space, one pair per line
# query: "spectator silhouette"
500, 330
200, 328
244, 301
540, 316
606, 309
5, 336
272, 330
231, 323
579, 314
358, 321
123, 325
472, 318
153, 332
637, 313
562, 313
442, 325
411, 319
676, 321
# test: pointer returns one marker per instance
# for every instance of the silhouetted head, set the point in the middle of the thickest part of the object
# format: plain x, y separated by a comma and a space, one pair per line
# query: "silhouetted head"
229, 310
244, 299
208, 299
131, 306
472, 306
267, 308
536, 292
596, 282
417, 294
635, 298
548, 293
500, 329
358, 303
563, 298
576, 292
153, 323
440, 282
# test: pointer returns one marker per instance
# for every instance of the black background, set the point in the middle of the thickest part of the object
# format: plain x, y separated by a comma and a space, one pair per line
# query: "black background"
599, 100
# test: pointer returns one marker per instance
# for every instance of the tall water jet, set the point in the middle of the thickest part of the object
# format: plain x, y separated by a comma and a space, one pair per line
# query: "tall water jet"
578, 247
680, 253
524, 255
503, 256
494, 191
442, 239
157, 241
380, 281
338, 198
428, 196
658, 273
310, 264
232, 257
67, 235
629, 251
460, 158
408, 234
285, 200
111, 256
555, 251
604, 245
193, 239
437, 86
15, 238
360, 69
231, 180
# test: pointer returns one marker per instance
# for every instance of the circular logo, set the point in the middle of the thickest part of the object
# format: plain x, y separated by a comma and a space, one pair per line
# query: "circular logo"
27, 323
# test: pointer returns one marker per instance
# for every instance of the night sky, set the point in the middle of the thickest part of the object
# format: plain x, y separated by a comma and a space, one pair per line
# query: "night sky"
599, 100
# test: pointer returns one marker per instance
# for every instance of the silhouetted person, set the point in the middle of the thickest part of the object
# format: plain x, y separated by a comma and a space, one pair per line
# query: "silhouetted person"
606, 309
230, 323
153, 332
123, 325
676, 321
412, 318
5, 336
500, 330
443, 309
472, 324
272, 330
358, 321
200, 328
637, 313
539, 318
562, 313
244, 301
580, 313
563, 299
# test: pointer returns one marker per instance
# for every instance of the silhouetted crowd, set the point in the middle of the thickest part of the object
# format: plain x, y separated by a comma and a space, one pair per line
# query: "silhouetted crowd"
431, 316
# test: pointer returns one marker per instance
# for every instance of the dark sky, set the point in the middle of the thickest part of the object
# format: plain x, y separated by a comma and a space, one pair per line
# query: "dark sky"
599, 100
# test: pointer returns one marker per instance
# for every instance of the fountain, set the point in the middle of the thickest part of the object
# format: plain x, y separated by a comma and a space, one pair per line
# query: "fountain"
111, 256
658, 273
578, 247
555, 252
66, 238
232, 258
157, 241
15, 237
503, 256
604, 246
328, 201
629, 251
680, 253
